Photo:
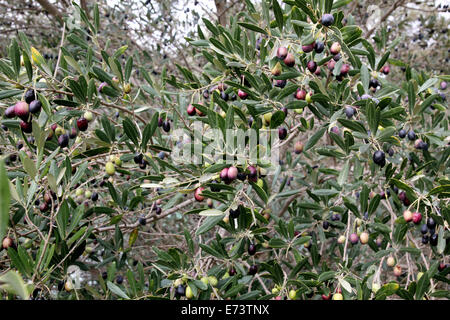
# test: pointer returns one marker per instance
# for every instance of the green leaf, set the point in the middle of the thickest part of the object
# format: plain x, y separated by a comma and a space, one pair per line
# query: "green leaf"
261, 193
62, 219
128, 68
422, 286
353, 125
302, 4
343, 174
130, 130
116, 290
277, 243
6, 70
149, 131
373, 205
14, 55
440, 189
314, 139
325, 192
383, 60
278, 15
373, 115
427, 102
208, 224
133, 237
210, 26
341, 3
326, 276
441, 241
328, 6
77, 90
365, 77
211, 213
4, 200
229, 120
13, 283
252, 27
5, 94
411, 96
29, 166
96, 18
277, 119
78, 41
429, 83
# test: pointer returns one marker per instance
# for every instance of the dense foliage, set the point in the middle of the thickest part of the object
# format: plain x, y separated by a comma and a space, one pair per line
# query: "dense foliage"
94, 203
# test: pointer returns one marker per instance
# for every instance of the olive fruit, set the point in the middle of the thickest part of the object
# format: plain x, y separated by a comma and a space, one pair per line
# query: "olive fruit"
22, 110
335, 48
282, 53
109, 168
327, 19
253, 269
26, 126
407, 215
397, 271
142, 221
282, 133
242, 94
431, 224
390, 261
300, 94
312, 66
7, 243
417, 217
82, 124
9, 112
191, 110
434, 239
379, 158
197, 194
349, 112
232, 173
189, 293
298, 147
354, 238
252, 174
364, 237
412, 135
338, 296
63, 140
424, 229
138, 158
181, 290
29, 96
289, 60
88, 116
234, 214
166, 126
35, 106
251, 249
374, 83
319, 46
308, 47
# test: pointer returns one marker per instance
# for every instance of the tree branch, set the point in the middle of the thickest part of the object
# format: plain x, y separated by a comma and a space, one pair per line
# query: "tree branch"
397, 4
51, 9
